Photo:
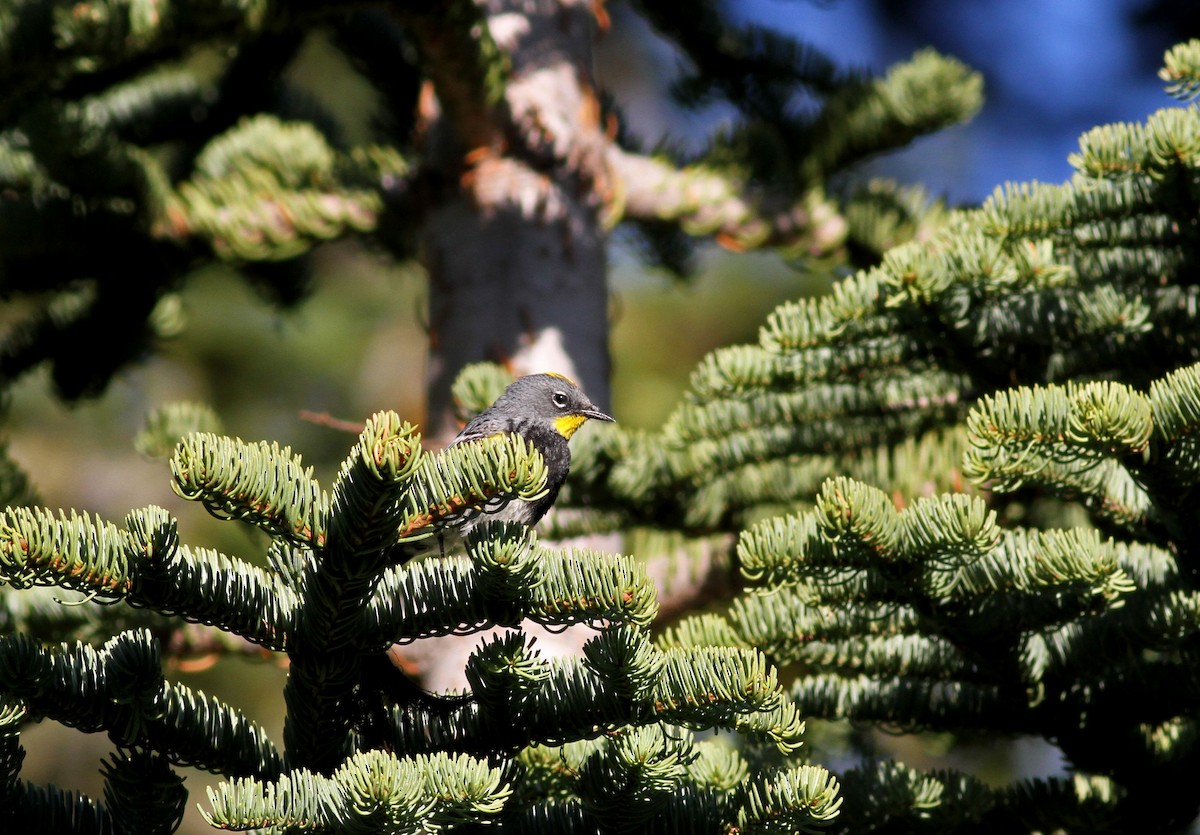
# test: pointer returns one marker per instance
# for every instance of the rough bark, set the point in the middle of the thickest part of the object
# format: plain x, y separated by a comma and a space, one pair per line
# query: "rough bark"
516, 251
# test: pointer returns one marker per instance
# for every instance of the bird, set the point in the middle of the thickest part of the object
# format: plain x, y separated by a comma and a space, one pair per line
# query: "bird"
546, 410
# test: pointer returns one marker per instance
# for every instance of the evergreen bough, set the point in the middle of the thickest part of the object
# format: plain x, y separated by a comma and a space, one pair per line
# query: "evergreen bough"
961, 483
965, 483
350, 573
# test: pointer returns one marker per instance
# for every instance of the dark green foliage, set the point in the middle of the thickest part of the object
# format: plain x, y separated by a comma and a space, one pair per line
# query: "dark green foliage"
143, 794
961, 485
165, 139
990, 440
109, 143
120, 689
350, 580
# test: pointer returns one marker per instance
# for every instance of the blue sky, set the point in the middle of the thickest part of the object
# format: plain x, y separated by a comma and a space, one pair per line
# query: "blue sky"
1052, 70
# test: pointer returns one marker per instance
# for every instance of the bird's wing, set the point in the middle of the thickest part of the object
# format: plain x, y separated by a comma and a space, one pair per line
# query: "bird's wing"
476, 429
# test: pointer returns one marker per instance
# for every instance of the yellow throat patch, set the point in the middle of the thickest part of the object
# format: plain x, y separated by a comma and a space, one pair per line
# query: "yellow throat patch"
567, 424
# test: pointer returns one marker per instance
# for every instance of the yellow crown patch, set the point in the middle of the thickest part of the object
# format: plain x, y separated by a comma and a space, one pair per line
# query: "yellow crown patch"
562, 377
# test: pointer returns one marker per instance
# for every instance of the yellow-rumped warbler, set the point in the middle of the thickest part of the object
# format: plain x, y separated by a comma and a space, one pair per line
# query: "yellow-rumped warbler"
544, 409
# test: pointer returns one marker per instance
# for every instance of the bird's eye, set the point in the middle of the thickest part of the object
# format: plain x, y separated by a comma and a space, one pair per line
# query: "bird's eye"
560, 399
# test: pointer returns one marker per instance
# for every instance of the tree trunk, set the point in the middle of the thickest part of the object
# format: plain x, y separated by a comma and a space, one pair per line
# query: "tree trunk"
516, 249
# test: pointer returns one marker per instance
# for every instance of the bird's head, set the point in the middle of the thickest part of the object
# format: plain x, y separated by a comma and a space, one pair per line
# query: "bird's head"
554, 398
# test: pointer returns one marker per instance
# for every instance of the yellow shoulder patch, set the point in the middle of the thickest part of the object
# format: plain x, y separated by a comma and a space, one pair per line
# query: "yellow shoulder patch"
567, 424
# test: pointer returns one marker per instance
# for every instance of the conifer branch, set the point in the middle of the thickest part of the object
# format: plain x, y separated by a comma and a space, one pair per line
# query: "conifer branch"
142, 793
41, 49
926, 93
961, 484
708, 202
1181, 70
372, 791
145, 566
267, 190
30, 807
120, 689
260, 484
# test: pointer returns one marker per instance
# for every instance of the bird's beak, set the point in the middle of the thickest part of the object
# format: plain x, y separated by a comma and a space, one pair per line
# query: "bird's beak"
596, 414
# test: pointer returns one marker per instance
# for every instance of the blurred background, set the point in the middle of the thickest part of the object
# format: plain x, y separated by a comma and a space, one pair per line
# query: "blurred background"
357, 343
